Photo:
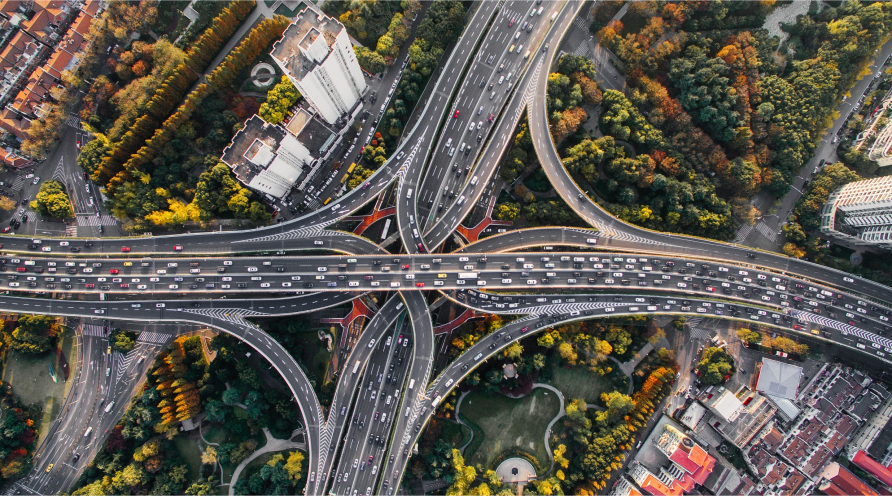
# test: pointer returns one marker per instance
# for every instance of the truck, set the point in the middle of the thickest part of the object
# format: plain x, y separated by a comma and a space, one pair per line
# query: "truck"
467, 275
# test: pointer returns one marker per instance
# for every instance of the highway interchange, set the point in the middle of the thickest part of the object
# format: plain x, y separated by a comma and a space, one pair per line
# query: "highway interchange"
386, 393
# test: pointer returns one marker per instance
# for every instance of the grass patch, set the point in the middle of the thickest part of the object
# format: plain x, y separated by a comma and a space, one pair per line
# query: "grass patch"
191, 455
455, 433
285, 11
508, 423
632, 22
538, 181
31, 380
579, 382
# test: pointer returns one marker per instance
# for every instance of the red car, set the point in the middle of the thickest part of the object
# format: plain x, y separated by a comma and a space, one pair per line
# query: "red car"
491, 116
421, 247
113, 271
510, 23
406, 267
455, 115
125, 249
7, 229
419, 284
20, 269
177, 248
90, 286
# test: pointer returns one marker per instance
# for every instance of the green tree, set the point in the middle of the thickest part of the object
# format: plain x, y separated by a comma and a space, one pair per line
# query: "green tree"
279, 101
52, 200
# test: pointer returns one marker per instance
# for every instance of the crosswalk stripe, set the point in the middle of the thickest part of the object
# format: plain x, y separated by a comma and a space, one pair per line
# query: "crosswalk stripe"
92, 220
74, 122
17, 183
580, 23
742, 233
92, 330
152, 337
766, 231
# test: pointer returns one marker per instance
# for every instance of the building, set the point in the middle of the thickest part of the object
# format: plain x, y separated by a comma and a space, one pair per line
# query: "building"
671, 463
266, 158
737, 417
778, 379
316, 54
860, 213
838, 481
873, 467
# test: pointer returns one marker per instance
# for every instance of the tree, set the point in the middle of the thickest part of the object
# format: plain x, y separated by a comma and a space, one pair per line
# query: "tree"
209, 456
232, 396
122, 341
52, 200
371, 61
294, 466
279, 101
749, 337
508, 211
715, 365
6, 203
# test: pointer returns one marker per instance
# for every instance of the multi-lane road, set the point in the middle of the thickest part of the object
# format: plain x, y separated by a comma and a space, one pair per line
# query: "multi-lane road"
360, 444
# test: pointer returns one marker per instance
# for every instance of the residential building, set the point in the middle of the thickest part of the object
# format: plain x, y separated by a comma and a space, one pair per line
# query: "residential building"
317, 55
671, 463
737, 417
860, 213
839, 481
873, 467
778, 379
267, 158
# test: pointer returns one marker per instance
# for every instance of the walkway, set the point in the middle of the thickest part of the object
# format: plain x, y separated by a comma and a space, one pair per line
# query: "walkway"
473, 234
367, 220
272, 444
450, 326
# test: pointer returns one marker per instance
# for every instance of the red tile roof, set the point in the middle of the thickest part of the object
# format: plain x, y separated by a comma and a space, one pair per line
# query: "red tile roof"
873, 467
57, 63
11, 122
82, 23
846, 482
91, 7
653, 486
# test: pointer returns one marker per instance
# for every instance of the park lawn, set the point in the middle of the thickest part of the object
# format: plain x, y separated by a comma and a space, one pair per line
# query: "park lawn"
509, 423
30, 378
579, 382
190, 454
455, 433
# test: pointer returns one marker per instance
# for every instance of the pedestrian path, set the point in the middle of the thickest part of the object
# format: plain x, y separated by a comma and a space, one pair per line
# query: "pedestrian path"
766, 231
74, 122
698, 333
17, 183
92, 220
92, 330
742, 233
153, 337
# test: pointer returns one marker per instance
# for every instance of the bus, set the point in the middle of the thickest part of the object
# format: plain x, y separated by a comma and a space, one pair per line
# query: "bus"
467, 275
554, 16
436, 402
326, 201
356, 367
411, 383
386, 228
352, 166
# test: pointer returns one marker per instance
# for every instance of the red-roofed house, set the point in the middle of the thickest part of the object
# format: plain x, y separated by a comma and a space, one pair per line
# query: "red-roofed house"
873, 467
57, 63
14, 123
838, 481
690, 466
662, 485
91, 7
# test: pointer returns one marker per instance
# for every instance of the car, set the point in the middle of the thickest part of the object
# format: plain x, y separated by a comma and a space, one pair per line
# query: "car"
49, 467
125, 249
177, 248
113, 271
510, 23
455, 115
419, 284
46, 248
7, 229
491, 117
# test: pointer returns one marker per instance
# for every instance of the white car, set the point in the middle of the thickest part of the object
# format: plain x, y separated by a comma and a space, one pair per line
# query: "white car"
36, 180
286, 284
46, 248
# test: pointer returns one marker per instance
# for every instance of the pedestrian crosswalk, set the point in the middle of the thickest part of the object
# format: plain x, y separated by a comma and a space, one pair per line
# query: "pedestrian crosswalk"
582, 50
742, 233
92, 330
74, 122
766, 231
71, 231
152, 337
92, 220
581, 23
17, 183
698, 333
